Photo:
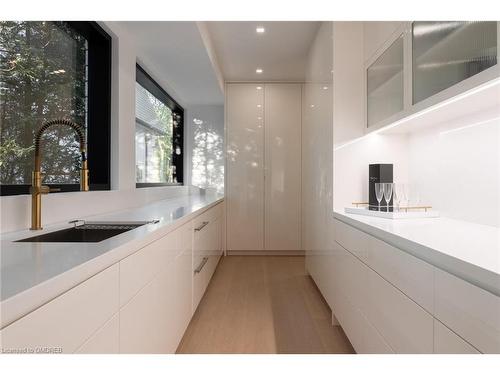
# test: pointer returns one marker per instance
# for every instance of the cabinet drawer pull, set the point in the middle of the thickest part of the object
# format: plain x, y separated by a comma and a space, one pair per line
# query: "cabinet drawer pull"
202, 264
203, 225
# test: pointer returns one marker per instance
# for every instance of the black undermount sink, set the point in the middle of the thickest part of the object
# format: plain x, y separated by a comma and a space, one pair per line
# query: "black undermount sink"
87, 232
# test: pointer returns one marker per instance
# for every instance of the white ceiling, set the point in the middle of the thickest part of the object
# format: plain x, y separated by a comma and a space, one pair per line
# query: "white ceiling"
281, 51
174, 54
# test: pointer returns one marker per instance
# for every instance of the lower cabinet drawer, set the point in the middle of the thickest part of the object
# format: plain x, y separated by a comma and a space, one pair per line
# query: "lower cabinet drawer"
405, 326
352, 239
412, 276
66, 322
470, 311
139, 268
363, 336
204, 268
147, 321
207, 249
448, 342
105, 340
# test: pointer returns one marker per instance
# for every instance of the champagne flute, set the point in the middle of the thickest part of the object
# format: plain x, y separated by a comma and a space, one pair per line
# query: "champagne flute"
379, 192
387, 193
405, 189
397, 195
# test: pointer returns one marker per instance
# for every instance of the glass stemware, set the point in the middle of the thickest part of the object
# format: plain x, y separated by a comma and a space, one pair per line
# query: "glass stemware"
388, 193
396, 195
379, 192
405, 195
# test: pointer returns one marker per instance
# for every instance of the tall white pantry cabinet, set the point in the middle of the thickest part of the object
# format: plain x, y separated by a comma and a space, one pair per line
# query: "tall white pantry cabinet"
263, 183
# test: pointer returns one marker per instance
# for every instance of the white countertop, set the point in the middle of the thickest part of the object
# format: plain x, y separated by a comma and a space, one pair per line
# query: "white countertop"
467, 250
32, 274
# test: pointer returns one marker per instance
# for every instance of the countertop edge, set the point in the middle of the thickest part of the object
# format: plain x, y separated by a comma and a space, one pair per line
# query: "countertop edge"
473, 274
29, 300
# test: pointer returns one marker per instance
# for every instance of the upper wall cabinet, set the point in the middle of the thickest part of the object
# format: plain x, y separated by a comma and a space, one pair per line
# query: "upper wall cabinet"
424, 63
385, 84
445, 53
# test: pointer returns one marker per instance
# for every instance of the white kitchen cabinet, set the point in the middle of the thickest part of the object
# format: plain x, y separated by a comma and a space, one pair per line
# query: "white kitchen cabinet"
471, 312
448, 342
470, 45
154, 319
376, 34
349, 87
263, 197
412, 276
105, 340
67, 321
411, 66
207, 249
405, 326
356, 241
385, 83
363, 336
409, 274
245, 166
183, 268
138, 269
146, 321
282, 166
350, 277
412, 306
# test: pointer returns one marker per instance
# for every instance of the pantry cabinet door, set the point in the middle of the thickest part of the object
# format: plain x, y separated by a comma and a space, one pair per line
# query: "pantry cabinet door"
245, 166
283, 121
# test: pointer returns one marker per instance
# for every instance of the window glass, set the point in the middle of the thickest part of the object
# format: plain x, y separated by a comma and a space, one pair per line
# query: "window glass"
43, 76
445, 53
385, 84
158, 136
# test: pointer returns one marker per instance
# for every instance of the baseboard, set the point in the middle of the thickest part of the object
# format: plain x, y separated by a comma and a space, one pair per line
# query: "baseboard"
267, 252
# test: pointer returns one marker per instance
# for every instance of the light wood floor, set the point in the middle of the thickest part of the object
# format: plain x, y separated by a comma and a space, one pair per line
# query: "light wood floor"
263, 304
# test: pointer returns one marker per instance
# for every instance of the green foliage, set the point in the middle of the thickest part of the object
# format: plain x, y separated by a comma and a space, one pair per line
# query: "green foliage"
42, 77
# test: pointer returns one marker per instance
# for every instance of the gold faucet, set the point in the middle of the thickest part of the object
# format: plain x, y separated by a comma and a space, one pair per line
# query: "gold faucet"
37, 189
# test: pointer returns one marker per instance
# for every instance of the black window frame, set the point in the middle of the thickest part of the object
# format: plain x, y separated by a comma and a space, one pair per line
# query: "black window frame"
98, 113
146, 81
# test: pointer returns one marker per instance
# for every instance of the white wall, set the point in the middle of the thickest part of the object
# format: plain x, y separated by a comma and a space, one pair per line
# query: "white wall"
317, 145
15, 210
352, 160
456, 168
204, 131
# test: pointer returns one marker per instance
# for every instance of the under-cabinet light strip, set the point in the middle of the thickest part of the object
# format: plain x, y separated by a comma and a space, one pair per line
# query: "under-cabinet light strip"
444, 103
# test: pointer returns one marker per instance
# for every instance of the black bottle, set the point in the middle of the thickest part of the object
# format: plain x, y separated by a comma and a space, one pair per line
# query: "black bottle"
378, 173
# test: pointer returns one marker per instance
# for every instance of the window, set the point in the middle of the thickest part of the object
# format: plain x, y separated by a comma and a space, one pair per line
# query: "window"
52, 70
159, 128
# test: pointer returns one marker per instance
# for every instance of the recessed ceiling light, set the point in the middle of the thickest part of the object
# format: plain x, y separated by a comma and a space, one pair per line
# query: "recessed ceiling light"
259, 105
258, 71
260, 29
325, 87
259, 87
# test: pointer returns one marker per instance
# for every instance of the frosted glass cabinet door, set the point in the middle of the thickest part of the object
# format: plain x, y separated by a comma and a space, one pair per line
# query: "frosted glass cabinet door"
385, 84
245, 164
445, 53
283, 166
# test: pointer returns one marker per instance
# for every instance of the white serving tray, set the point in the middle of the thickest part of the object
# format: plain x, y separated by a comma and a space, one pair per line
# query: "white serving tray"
392, 215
